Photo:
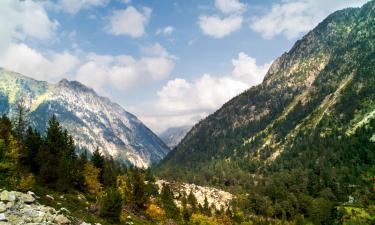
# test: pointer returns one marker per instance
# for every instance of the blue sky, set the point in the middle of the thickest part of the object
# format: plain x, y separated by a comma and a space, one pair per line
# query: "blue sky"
170, 62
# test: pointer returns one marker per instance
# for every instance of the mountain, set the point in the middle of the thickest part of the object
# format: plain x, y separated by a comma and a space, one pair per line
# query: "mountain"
173, 135
313, 117
92, 120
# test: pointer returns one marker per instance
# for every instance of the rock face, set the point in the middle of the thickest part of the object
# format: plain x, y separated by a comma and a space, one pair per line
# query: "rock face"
215, 197
172, 136
92, 120
21, 209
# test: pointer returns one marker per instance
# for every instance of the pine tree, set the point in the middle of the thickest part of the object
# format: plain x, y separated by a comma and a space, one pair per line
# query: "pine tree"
111, 205
5, 127
97, 159
57, 158
192, 201
206, 208
135, 191
169, 206
32, 143
20, 120
139, 191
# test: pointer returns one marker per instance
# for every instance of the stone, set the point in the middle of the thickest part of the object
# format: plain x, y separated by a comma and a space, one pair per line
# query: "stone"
32, 213
26, 198
64, 210
62, 220
9, 205
3, 217
84, 223
3, 207
50, 197
7, 196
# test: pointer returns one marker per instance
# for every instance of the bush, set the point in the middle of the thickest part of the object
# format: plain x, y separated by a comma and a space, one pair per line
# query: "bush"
27, 182
155, 212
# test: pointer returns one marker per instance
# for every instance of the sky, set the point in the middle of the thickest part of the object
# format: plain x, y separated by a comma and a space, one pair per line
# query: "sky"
169, 62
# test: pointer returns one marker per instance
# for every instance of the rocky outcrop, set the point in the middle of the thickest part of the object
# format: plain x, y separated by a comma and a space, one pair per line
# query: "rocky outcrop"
18, 208
216, 198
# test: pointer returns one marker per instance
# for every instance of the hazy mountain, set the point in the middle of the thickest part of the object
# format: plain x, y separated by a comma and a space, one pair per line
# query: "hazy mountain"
94, 121
172, 136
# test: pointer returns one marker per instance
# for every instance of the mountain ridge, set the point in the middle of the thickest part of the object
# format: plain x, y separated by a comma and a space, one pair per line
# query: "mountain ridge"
303, 88
173, 135
94, 121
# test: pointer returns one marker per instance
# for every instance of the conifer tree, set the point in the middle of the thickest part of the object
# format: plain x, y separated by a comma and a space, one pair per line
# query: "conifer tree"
111, 205
192, 201
20, 120
169, 206
32, 143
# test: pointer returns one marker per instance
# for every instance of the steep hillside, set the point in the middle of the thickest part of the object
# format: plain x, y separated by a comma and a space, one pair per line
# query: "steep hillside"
93, 121
172, 136
314, 109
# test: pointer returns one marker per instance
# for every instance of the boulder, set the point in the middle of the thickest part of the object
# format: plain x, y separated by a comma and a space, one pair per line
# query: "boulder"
3, 217
3, 207
62, 220
26, 198
7, 196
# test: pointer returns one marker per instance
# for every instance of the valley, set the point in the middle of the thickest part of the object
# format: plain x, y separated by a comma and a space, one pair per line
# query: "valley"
296, 149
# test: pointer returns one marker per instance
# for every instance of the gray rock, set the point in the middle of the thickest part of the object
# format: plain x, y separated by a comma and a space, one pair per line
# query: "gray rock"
84, 223
9, 205
7, 196
26, 198
50, 197
63, 210
3, 207
62, 220
3, 217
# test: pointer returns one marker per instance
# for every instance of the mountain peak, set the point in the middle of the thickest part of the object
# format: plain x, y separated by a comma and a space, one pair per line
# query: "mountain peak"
75, 85
93, 121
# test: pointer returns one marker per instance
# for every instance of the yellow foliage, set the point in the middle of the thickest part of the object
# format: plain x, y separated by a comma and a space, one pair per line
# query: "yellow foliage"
199, 219
91, 174
27, 182
155, 212
121, 184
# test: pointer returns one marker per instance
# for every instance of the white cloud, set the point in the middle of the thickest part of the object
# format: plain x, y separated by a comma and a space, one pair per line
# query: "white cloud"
184, 103
24, 19
28, 61
247, 70
291, 18
101, 72
167, 31
155, 50
123, 72
218, 28
129, 21
73, 6
230, 6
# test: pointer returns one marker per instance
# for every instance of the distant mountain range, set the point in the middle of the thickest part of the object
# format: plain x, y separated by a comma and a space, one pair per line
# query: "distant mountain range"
94, 121
314, 109
172, 136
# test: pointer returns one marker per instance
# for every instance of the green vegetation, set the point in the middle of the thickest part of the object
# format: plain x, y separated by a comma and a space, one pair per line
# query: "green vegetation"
95, 189
298, 146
